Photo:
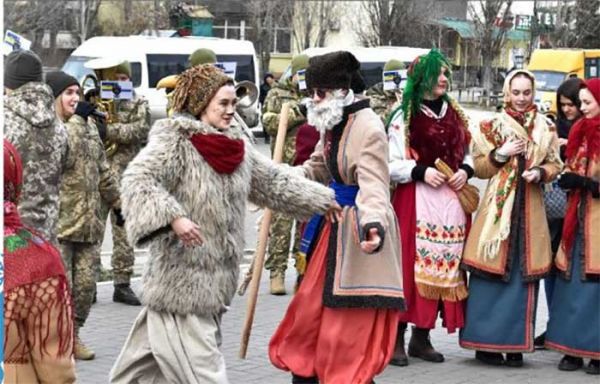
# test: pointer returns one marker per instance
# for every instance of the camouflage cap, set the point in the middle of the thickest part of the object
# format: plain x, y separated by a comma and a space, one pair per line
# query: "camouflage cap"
202, 56
393, 65
124, 68
299, 62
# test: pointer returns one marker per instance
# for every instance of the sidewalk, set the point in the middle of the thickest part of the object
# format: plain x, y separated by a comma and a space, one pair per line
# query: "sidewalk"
109, 324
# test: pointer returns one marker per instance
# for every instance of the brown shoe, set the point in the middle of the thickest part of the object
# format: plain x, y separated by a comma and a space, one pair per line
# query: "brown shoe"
277, 286
82, 352
399, 358
420, 346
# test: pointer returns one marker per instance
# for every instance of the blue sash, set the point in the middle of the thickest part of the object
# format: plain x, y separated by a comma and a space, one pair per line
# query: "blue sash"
345, 195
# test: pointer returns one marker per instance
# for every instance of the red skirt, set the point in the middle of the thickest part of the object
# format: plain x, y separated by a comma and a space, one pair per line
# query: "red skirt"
420, 311
338, 345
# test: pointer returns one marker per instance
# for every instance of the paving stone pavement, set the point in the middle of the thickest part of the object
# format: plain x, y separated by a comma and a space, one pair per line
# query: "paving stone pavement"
109, 324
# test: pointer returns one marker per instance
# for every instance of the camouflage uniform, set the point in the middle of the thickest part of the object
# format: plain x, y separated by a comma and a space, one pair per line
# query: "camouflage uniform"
130, 134
31, 125
281, 225
87, 180
383, 102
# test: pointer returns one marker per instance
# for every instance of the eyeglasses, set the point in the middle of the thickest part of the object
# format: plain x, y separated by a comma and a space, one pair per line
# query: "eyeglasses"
320, 92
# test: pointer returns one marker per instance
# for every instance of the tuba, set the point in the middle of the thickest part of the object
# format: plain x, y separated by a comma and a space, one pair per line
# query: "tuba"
104, 69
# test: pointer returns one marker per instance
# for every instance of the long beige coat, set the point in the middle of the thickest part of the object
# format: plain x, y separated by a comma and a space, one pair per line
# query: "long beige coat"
361, 279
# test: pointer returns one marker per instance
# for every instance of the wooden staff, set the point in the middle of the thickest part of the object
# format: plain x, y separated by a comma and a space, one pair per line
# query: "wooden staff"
259, 256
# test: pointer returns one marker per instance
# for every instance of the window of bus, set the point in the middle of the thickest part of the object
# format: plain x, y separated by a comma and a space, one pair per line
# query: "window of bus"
163, 65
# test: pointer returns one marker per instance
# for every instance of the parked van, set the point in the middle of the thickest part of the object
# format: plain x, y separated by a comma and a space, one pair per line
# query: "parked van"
372, 59
553, 66
153, 58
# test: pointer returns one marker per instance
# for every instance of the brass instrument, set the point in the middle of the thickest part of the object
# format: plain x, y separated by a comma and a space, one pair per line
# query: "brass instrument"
104, 69
247, 93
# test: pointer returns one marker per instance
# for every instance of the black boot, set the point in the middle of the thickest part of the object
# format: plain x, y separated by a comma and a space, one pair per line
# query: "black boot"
124, 294
593, 367
489, 358
399, 358
539, 341
514, 360
304, 380
570, 363
420, 346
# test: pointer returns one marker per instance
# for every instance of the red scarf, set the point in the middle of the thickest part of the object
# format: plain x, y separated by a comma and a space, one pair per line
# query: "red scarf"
583, 148
223, 154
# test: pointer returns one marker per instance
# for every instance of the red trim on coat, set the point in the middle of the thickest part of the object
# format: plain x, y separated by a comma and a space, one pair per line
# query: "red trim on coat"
572, 351
527, 347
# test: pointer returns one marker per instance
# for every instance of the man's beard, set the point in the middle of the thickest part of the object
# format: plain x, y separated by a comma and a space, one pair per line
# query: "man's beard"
326, 114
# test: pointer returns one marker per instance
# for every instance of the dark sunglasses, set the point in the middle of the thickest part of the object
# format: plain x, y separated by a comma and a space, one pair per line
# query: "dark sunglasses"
321, 92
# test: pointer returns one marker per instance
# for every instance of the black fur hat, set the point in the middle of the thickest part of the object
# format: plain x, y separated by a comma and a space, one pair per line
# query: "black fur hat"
332, 71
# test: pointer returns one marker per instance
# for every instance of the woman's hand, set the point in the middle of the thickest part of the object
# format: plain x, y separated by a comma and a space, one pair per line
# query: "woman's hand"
434, 178
532, 175
562, 142
372, 242
458, 180
334, 213
187, 231
512, 147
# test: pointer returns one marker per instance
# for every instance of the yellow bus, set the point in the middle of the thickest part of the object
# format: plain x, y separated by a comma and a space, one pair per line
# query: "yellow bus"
553, 66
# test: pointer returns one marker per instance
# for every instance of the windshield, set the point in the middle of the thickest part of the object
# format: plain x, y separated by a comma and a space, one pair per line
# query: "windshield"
160, 66
75, 67
548, 81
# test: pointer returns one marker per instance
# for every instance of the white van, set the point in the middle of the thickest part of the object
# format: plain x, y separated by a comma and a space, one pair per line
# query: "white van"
372, 59
153, 58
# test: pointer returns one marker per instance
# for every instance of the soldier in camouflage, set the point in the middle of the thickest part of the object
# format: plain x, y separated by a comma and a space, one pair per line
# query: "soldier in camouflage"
384, 102
129, 134
280, 234
31, 125
87, 179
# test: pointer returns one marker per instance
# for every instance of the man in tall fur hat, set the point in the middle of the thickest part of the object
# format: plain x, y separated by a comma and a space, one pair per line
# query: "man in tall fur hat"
335, 330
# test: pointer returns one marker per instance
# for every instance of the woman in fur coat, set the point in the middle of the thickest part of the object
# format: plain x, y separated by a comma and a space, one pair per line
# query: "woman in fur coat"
184, 196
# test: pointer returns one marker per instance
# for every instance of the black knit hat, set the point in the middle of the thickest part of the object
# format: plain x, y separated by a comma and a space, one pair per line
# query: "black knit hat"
20, 68
59, 81
332, 71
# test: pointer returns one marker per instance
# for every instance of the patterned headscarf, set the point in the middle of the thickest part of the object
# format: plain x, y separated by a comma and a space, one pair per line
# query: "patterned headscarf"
196, 87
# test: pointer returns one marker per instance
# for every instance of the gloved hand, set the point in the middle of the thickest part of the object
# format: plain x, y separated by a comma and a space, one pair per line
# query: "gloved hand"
570, 180
84, 109
101, 125
120, 220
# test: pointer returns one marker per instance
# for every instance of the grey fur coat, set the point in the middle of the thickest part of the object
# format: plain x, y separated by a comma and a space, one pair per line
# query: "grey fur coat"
170, 179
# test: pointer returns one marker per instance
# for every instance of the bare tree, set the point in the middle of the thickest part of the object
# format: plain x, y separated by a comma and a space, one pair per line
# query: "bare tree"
587, 24
88, 12
312, 22
265, 17
491, 25
396, 22
33, 18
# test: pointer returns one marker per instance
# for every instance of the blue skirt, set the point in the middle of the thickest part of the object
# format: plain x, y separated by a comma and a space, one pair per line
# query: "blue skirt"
574, 324
500, 315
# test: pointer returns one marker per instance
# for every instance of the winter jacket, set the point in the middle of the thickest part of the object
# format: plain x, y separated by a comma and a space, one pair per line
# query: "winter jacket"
31, 125
169, 179
280, 94
129, 133
86, 180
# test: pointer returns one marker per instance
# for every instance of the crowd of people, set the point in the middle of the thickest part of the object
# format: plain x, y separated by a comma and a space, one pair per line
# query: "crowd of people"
370, 197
